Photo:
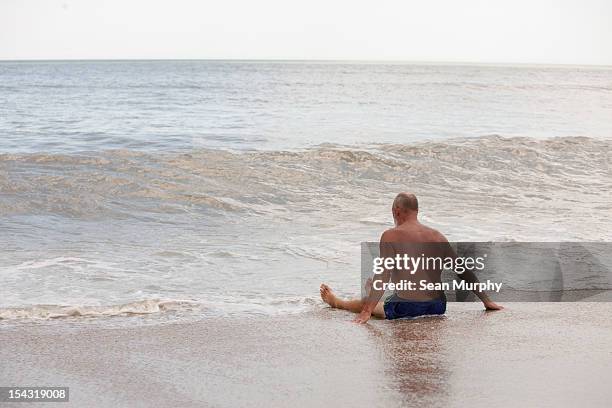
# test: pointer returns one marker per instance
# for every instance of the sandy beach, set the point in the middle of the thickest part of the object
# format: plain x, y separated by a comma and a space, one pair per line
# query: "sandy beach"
184, 184
532, 354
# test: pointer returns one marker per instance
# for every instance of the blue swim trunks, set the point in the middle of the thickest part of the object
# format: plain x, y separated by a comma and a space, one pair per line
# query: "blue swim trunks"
398, 308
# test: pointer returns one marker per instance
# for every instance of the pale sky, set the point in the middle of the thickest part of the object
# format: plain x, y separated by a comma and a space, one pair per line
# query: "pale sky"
481, 31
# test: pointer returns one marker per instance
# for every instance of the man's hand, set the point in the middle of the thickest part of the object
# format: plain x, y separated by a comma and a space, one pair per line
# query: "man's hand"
362, 317
490, 305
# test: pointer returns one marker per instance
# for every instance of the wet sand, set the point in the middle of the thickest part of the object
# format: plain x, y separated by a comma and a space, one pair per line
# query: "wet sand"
532, 354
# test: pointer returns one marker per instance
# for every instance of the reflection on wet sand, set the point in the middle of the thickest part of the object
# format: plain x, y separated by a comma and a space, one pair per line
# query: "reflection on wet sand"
415, 358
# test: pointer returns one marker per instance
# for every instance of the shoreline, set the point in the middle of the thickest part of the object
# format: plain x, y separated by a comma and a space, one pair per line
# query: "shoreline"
470, 357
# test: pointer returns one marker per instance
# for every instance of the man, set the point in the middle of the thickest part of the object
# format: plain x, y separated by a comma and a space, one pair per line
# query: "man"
411, 238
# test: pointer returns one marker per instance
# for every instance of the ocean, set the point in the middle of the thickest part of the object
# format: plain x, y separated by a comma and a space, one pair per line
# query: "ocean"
214, 188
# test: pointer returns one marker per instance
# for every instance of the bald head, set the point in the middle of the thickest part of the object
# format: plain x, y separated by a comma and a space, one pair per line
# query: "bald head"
406, 202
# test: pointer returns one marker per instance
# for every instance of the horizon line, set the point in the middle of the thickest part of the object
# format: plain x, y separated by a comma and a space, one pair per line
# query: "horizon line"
323, 60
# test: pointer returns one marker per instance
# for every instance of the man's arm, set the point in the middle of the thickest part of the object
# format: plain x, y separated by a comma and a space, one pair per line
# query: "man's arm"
386, 251
471, 277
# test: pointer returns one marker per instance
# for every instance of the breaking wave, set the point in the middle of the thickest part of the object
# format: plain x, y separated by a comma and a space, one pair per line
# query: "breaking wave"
122, 183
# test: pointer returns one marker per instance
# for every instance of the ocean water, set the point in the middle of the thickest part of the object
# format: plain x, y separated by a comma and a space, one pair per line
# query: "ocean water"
235, 188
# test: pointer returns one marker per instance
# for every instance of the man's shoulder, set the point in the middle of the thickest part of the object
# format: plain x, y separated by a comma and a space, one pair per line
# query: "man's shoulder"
422, 233
435, 235
390, 235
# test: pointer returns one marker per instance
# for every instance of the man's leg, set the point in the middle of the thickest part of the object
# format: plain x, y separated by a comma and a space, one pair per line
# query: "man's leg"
352, 305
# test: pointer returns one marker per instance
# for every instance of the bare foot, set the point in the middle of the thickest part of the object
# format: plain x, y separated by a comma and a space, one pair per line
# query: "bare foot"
328, 296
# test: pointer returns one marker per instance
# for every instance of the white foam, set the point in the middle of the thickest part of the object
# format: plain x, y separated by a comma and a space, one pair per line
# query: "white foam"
148, 306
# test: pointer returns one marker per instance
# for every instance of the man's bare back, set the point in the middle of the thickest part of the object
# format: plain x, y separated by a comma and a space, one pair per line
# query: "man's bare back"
416, 240
409, 237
